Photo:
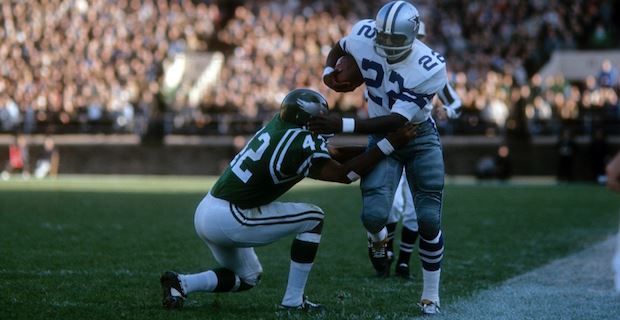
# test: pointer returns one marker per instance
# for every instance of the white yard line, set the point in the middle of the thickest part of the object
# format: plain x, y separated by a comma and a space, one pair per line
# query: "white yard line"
580, 286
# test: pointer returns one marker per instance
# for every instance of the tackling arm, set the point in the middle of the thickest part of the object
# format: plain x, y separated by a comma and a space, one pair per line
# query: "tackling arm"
343, 154
383, 124
351, 170
334, 123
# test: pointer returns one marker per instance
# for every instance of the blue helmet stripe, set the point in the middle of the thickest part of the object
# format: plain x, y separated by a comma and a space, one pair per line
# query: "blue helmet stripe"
387, 14
396, 15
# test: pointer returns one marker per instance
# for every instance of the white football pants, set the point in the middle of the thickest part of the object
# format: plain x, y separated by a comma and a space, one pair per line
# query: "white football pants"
231, 232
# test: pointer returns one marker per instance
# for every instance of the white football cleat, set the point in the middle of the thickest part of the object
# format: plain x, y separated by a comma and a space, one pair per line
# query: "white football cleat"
429, 307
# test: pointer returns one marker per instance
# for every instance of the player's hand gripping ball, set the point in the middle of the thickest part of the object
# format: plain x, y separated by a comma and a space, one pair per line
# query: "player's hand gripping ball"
346, 76
349, 72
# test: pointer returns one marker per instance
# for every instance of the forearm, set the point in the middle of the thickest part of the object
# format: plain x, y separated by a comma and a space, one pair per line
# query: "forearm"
363, 163
353, 169
383, 124
343, 154
334, 54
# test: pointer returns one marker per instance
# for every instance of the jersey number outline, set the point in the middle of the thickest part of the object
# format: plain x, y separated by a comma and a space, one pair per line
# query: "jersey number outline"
254, 155
427, 61
421, 100
367, 31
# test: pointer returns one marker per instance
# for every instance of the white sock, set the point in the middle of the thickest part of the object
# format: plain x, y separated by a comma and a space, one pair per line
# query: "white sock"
379, 236
431, 285
297, 277
204, 281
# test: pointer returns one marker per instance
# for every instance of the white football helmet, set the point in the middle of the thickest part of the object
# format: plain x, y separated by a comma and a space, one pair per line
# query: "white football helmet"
397, 26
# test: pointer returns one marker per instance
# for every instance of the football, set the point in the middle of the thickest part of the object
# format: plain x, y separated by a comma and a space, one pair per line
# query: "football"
349, 72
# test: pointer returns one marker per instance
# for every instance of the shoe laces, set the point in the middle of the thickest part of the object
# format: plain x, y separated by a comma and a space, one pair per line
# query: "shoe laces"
429, 306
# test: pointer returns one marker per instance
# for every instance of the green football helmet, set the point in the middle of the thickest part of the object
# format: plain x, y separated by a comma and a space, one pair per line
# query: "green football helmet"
301, 104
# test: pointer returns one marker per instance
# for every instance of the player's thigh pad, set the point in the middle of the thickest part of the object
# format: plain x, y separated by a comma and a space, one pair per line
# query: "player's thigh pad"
378, 188
425, 174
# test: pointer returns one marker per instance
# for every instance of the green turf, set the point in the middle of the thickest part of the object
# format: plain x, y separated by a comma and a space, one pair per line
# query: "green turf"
93, 247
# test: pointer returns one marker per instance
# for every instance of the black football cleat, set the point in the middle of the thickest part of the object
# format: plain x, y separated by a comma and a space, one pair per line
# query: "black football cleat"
305, 307
379, 257
402, 271
173, 295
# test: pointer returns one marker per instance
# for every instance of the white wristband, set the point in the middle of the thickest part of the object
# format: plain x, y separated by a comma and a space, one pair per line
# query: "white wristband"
348, 125
385, 146
353, 176
327, 71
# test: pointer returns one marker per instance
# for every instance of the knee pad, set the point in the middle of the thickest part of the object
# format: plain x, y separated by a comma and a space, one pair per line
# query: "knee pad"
428, 205
249, 283
372, 222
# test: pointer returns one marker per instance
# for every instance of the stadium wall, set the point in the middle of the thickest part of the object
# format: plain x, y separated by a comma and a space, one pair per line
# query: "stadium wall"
210, 155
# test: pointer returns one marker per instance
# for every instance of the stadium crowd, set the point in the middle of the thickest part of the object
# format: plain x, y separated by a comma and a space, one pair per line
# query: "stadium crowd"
89, 66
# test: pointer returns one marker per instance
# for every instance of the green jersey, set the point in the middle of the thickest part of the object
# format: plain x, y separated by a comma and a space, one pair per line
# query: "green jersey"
273, 161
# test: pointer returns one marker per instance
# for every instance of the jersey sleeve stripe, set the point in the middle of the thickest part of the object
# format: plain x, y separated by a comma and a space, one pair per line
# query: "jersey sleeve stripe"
305, 166
278, 155
285, 149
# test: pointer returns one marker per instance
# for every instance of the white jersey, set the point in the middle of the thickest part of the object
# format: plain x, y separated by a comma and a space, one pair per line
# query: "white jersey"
406, 87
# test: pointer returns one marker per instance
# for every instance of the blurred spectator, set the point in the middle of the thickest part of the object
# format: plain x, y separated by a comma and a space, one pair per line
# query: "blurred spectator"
485, 168
87, 63
608, 75
566, 153
19, 158
503, 163
94, 66
48, 161
495, 167
599, 150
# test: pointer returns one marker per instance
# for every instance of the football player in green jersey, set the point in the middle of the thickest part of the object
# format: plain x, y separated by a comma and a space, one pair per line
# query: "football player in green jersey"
240, 211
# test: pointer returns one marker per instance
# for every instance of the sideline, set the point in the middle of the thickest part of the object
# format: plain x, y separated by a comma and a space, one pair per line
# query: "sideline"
580, 286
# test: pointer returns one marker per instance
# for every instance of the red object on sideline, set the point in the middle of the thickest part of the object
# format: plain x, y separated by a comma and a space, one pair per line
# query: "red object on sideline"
15, 157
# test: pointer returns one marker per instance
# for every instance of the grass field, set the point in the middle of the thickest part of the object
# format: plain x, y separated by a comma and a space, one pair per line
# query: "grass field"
94, 247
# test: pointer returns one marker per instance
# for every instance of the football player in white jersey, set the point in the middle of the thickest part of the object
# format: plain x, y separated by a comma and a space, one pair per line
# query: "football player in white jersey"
402, 75
403, 207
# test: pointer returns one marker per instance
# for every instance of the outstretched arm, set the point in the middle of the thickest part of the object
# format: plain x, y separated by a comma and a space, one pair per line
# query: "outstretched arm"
343, 154
351, 170
334, 123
